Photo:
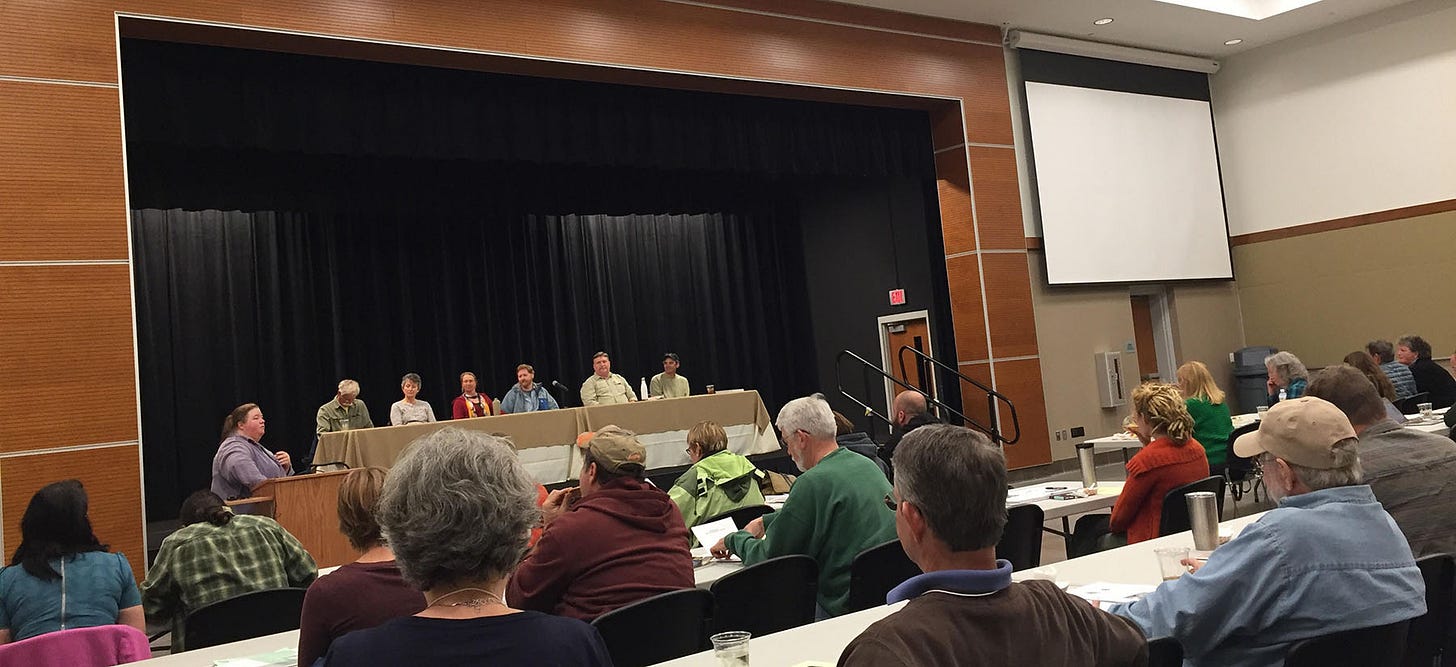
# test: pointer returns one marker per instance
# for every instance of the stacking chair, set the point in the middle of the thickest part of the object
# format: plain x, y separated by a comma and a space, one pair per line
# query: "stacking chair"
1430, 634
1378, 646
99, 646
1021, 542
1239, 472
742, 515
1175, 509
242, 617
1165, 652
875, 571
766, 597
660, 628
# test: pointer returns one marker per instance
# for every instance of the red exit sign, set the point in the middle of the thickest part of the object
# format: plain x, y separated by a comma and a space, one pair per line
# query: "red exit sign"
897, 297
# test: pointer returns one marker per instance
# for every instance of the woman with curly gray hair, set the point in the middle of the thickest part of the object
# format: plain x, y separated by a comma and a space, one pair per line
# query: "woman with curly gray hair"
457, 509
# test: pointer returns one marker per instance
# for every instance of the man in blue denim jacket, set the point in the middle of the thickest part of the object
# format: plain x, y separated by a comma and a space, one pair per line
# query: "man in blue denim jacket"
1328, 559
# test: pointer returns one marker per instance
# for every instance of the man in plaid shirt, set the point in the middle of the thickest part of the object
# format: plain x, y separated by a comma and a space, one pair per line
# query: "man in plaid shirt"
217, 555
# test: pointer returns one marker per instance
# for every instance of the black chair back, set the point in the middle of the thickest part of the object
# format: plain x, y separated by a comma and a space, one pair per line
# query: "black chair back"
660, 628
875, 571
1429, 634
766, 597
242, 617
1165, 652
1239, 467
741, 516
1175, 509
1021, 542
1407, 405
1378, 646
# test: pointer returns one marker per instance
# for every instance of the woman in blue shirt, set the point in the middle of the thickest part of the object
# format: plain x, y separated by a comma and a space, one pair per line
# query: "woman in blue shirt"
61, 576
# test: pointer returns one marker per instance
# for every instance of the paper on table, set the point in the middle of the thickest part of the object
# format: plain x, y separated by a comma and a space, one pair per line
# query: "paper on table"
708, 534
1031, 494
1109, 592
283, 657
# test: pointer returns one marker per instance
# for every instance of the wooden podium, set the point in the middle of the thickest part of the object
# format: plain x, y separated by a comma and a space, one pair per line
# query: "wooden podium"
307, 507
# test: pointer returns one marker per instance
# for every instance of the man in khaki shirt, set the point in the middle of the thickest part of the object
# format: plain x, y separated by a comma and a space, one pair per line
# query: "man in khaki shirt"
605, 387
668, 384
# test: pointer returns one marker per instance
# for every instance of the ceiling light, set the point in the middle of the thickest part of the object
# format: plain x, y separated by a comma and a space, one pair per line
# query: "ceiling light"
1233, 42
1103, 21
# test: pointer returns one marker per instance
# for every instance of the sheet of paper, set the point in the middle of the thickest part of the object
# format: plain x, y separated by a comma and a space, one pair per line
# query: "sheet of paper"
708, 534
1031, 494
1108, 592
283, 657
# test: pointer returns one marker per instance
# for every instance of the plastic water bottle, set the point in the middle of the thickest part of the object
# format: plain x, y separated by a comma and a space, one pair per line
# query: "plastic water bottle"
1283, 395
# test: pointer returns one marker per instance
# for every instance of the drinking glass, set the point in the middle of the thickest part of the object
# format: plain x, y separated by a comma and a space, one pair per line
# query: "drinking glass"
731, 648
1170, 561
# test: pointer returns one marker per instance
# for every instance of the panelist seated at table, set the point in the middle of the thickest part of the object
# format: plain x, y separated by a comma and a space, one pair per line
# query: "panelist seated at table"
668, 384
605, 387
344, 412
241, 462
361, 594
1415, 353
1170, 458
410, 409
457, 508
1287, 374
835, 510
470, 403
949, 498
719, 480
61, 576
623, 541
1327, 559
526, 395
216, 555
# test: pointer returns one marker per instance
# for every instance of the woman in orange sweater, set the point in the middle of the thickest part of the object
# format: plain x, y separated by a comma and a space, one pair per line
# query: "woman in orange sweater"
1170, 458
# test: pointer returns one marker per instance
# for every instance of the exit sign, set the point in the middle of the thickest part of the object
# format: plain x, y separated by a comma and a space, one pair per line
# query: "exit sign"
897, 297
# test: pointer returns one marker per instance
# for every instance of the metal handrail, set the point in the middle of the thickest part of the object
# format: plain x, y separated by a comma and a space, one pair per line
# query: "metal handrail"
991, 397
867, 366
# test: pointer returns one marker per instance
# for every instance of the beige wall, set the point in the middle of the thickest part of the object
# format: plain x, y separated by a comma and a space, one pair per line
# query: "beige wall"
1207, 326
1323, 295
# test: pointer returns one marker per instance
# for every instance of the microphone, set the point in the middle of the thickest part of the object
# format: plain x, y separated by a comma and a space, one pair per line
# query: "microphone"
558, 385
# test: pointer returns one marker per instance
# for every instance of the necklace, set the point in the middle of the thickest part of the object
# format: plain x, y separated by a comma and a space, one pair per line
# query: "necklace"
473, 603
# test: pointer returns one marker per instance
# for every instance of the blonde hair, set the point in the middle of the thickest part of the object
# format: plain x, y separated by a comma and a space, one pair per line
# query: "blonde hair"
358, 498
1195, 381
709, 437
1162, 405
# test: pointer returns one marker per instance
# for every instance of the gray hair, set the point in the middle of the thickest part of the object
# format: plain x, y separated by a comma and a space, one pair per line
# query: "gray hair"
1382, 349
1346, 472
412, 378
810, 414
956, 478
348, 388
1287, 366
457, 507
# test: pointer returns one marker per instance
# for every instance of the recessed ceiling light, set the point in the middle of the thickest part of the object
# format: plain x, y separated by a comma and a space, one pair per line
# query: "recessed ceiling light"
1102, 21
1233, 42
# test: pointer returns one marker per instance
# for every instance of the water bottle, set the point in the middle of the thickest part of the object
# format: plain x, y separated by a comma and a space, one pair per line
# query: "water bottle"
1283, 395
643, 393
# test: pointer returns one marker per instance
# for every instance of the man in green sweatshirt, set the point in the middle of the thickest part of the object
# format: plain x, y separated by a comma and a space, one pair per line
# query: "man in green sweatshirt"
835, 510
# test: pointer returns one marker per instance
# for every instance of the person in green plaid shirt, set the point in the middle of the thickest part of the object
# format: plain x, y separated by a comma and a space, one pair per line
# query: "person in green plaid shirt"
217, 555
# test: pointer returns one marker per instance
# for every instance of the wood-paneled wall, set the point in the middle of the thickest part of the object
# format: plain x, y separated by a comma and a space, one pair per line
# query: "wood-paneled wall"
64, 263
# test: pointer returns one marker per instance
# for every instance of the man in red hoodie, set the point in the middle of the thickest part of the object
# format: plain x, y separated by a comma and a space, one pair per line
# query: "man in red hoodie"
622, 542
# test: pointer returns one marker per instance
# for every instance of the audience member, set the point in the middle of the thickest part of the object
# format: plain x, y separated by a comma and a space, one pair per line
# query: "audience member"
835, 510
1415, 353
344, 412
907, 412
719, 480
1287, 374
623, 541
61, 576
1327, 559
241, 464
1170, 458
526, 395
1212, 423
1383, 353
456, 508
950, 504
216, 555
668, 384
1409, 470
1363, 362
857, 441
605, 387
410, 409
470, 403
361, 594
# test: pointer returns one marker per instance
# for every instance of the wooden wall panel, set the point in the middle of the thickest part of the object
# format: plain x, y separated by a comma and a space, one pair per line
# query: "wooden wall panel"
1008, 305
61, 173
68, 365
58, 39
964, 278
973, 401
987, 100
1021, 382
947, 125
998, 198
110, 476
957, 219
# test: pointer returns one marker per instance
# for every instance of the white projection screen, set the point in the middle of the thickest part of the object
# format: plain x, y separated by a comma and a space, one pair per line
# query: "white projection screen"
1128, 186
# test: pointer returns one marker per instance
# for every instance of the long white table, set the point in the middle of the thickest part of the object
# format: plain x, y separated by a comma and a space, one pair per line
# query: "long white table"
204, 657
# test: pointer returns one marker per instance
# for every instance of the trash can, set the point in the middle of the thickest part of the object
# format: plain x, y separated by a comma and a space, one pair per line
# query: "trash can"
1251, 377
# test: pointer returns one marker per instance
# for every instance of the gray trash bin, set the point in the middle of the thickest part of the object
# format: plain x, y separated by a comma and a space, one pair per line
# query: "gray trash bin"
1251, 377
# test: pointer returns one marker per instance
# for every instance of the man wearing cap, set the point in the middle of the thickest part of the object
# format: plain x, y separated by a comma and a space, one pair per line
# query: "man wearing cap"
605, 387
668, 384
1327, 559
623, 541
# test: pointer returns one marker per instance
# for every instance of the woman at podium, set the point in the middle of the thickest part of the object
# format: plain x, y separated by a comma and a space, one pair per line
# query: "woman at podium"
241, 463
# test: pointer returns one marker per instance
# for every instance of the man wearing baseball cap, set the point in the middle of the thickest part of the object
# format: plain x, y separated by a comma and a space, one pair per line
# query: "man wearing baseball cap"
1327, 559
623, 541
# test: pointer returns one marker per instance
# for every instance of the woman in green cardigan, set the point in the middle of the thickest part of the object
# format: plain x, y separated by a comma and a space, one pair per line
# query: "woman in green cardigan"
1212, 423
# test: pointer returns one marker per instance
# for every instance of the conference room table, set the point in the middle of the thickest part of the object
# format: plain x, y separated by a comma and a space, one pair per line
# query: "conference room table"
1127, 442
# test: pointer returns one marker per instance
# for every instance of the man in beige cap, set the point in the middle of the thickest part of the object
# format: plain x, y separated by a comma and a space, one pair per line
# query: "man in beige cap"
623, 541
1327, 559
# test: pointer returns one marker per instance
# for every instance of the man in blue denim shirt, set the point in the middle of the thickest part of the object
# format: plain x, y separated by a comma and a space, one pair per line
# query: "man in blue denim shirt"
1328, 559
526, 395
